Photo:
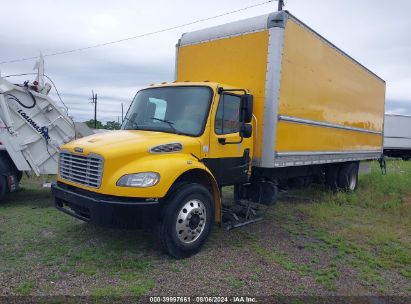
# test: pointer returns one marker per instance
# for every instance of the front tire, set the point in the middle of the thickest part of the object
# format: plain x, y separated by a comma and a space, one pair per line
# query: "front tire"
186, 220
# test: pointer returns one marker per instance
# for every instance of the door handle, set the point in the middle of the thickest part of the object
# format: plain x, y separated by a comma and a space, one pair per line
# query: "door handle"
221, 140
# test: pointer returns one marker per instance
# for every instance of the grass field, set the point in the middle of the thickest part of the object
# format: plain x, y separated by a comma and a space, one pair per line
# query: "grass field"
313, 242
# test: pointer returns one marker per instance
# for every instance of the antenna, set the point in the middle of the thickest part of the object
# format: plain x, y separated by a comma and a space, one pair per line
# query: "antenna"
39, 66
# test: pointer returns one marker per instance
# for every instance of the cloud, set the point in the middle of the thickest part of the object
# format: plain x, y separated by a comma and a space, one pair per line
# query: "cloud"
370, 32
398, 107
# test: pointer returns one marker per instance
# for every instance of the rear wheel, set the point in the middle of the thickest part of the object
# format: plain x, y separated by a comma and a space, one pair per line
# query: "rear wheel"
331, 175
19, 176
186, 220
348, 177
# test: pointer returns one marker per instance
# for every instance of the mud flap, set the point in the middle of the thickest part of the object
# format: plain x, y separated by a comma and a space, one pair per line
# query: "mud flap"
12, 182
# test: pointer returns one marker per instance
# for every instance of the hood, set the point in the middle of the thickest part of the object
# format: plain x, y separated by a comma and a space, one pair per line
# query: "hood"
125, 142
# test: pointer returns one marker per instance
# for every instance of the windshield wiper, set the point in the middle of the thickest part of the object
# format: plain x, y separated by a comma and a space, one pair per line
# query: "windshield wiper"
167, 122
133, 123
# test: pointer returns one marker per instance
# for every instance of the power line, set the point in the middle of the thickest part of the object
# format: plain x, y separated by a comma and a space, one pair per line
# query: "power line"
138, 36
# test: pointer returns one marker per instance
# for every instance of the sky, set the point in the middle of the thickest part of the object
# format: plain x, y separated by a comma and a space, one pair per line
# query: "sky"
377, 33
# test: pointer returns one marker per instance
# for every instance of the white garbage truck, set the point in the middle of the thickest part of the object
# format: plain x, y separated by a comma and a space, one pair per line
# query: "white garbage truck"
32, 128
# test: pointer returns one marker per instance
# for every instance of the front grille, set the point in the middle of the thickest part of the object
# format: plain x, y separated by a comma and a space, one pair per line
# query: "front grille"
83, 170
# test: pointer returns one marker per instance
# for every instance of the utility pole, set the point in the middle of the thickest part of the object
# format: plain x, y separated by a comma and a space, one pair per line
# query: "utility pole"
122, 113
280, 5
94, 100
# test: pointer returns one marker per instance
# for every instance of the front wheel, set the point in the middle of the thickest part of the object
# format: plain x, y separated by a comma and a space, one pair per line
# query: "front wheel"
186, 220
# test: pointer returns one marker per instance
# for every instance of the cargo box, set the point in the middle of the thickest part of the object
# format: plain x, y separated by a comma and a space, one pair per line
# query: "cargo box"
313, 103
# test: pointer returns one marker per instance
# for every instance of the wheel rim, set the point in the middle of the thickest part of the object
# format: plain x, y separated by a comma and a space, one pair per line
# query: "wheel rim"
353, 181
191, 221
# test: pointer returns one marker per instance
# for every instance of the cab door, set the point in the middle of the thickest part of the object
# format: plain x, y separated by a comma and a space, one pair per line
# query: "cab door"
229, 156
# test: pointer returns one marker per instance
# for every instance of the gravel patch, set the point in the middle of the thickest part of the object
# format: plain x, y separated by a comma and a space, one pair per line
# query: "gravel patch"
231, 270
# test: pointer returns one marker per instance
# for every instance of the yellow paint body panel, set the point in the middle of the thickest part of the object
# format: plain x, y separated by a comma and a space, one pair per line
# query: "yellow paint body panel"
126, 152
319, 83
239, 61
298, 138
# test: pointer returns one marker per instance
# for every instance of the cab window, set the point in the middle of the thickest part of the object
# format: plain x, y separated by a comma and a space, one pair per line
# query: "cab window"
227, 117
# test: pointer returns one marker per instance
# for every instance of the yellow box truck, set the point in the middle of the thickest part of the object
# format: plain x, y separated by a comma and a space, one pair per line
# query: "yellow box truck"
255, 102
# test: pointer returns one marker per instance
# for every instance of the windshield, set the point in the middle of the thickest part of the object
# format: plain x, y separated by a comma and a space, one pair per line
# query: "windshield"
180, 110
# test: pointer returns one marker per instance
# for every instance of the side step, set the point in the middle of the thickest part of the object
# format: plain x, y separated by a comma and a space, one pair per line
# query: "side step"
240, 214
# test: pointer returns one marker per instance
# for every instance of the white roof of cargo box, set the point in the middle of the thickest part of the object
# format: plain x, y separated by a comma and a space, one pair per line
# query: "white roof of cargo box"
235, 28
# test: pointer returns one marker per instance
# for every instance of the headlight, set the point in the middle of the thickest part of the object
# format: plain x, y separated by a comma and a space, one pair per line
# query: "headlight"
142, 180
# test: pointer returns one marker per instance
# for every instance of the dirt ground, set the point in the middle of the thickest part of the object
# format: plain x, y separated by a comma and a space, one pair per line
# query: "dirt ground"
312, 242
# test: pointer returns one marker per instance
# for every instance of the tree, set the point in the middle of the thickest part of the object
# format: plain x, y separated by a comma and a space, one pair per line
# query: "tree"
112, 125
90, 124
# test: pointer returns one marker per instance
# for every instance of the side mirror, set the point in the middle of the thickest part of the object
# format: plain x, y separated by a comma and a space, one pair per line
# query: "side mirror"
246, 108
246, 130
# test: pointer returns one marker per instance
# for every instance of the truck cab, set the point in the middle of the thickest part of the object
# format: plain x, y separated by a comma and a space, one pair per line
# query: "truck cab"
179, 144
